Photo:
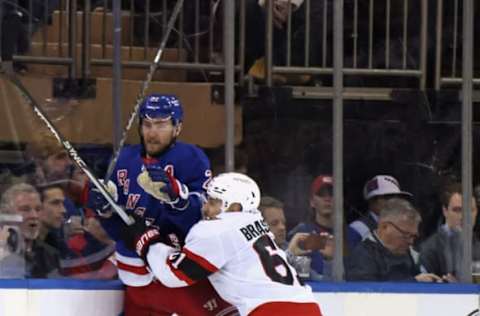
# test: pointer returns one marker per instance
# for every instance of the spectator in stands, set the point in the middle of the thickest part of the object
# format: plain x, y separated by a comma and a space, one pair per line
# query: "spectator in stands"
52, 216
50, 159
387, 254
52, 165
255, 35
83, 245
273, 214
441, 253
35, 259
377, 191
88, 250
321, 222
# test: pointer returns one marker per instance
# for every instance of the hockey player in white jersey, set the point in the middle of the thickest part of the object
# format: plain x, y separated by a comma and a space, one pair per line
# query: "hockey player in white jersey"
234, 248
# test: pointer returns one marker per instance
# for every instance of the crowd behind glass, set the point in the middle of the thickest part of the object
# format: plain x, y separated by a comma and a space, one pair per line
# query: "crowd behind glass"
46, 232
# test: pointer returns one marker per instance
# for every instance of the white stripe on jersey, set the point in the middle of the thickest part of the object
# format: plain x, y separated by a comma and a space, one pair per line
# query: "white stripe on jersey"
129, 276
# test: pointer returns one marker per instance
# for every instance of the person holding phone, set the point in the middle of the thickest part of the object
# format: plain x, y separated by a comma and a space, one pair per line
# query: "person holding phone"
301, 244
318, 229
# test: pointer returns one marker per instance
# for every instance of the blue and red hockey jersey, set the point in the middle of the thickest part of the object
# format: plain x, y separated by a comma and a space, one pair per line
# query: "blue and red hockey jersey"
188, 164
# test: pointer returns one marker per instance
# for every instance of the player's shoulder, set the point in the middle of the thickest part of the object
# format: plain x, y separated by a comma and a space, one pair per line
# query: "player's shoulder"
188, 150
224, 224
129, 152
204, 229
128, 157
188, 156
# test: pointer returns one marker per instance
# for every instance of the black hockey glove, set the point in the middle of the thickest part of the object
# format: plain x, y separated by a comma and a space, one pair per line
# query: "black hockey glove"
139, 237
97, 202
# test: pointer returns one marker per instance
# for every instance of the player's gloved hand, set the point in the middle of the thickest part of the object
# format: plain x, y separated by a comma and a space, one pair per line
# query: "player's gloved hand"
165, 187
97, 202
138, 237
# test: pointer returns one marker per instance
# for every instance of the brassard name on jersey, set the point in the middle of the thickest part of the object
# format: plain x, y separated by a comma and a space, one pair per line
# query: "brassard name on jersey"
257, 229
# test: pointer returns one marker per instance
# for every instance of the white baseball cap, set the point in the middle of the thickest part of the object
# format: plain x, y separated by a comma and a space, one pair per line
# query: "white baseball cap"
382, 185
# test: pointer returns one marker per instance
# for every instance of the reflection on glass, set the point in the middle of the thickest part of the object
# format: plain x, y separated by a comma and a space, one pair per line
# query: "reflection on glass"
12, 247
476, 271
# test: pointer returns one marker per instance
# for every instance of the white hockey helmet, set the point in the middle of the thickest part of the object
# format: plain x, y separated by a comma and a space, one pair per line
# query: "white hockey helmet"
233, 187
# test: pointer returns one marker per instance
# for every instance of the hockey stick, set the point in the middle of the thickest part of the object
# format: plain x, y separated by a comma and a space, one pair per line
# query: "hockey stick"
474, 312
68, 147
141, 95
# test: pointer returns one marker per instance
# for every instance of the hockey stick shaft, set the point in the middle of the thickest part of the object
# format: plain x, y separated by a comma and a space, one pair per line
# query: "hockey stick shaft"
141, 95
69, 148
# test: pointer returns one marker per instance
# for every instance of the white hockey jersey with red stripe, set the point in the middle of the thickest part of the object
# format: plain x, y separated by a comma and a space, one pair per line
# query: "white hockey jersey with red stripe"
237, 253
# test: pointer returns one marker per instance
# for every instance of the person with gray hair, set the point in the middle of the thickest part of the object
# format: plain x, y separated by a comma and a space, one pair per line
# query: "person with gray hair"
33, 258
387, 254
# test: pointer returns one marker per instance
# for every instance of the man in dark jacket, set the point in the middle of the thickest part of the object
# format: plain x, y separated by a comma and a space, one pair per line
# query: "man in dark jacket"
387, 254
442, 252
28, 256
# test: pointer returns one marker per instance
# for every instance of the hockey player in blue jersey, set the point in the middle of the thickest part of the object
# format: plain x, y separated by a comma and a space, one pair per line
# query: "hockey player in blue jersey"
160, 181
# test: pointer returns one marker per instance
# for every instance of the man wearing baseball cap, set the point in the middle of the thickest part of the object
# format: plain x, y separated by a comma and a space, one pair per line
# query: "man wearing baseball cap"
321, 222
376, 192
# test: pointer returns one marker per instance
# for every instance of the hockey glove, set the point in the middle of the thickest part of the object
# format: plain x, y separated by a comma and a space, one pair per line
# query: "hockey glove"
163, 186
97, 202
138, 237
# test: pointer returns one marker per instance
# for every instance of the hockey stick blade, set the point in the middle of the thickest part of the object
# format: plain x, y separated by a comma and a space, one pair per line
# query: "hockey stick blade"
68, 147
141, 95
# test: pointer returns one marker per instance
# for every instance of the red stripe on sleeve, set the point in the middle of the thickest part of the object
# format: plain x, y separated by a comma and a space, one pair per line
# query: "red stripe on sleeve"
204, 263
179, 274
133, 269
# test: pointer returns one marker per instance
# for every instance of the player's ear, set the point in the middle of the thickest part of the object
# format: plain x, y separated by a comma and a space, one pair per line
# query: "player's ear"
178, 129
235, 207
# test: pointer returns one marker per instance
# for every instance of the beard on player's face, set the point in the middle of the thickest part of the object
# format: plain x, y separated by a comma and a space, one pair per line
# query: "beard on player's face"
153, 148
157, 140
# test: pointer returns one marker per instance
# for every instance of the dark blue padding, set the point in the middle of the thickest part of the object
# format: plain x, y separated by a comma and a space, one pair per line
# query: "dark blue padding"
342, 287
66, 284
390, 287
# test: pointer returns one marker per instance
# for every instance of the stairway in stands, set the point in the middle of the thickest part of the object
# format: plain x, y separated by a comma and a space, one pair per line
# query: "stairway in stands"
90, 120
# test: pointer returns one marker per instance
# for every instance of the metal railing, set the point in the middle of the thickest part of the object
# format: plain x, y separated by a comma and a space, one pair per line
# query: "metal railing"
381, 38
198, 46
365, 43
37, 24
186, 40
448, 49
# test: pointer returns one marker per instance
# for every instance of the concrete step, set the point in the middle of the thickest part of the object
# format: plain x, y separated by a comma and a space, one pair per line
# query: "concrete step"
97, 51
90, 121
